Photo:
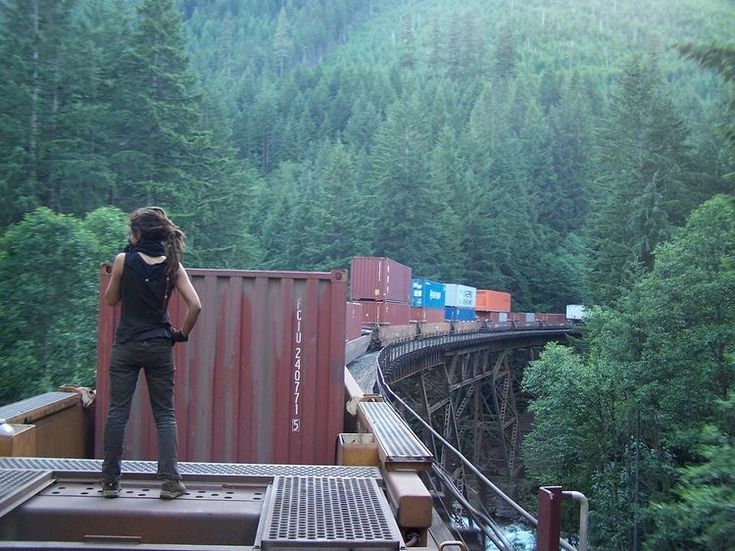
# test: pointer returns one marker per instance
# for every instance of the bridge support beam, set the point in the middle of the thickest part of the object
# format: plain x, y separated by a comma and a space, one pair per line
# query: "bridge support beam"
468, 390
470, 397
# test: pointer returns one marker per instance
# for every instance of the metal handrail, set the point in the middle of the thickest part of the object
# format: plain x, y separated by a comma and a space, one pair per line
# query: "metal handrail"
584, 510
408, 345
493, 531
390, 354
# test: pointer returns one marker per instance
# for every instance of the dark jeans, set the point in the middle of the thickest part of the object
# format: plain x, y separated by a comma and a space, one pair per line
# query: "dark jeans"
155, 357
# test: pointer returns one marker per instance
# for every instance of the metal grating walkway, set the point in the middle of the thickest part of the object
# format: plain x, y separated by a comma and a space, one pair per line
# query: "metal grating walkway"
94, 466
328, 513
18, 485
20, 412
399, 446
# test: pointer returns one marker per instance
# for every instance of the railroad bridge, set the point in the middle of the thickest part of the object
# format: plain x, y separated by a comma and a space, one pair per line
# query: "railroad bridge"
461, 394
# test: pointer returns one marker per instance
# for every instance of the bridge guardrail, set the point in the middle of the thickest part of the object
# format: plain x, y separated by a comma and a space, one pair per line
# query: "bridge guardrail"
405, 349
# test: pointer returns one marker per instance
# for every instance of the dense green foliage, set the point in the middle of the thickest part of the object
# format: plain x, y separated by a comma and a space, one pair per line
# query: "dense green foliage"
48, 298
657, 379
551, 148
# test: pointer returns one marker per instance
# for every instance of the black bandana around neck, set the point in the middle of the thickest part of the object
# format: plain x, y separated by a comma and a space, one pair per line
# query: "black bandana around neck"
151, 248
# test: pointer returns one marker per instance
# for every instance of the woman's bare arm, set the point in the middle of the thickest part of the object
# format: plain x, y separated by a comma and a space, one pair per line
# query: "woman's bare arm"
112, 294
190, 296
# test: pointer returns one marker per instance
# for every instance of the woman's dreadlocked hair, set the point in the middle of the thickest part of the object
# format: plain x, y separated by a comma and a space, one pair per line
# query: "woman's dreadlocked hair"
152, 224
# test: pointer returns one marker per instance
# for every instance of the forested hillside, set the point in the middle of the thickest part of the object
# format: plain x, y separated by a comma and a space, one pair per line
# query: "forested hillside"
555, 149
468, 141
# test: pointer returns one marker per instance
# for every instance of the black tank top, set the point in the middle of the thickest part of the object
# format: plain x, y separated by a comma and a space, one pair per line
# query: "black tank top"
143, 298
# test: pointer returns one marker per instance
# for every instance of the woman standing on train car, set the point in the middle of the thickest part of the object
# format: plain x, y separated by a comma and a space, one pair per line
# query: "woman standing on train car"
143, 278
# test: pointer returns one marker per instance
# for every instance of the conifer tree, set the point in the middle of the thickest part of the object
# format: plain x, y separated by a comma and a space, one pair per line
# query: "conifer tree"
282, 42
506, 56
407, 205
502, 239
279, 199
158, 111
566, 204
50, 104
164, 156
472, 46
329, 222
407, 43
437, 50
721, 58
645, 166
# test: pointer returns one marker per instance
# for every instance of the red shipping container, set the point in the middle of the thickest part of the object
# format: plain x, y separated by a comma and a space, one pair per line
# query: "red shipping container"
261, 379
494, 317
492, 301
559, 319
354, 321
427, 315
394, 313
379, 279
522, 318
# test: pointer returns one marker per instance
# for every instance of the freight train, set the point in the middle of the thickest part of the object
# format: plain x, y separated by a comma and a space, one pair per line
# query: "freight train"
388, 299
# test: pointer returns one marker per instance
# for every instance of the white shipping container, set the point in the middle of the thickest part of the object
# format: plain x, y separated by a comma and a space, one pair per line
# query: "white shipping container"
576, 312
460, 296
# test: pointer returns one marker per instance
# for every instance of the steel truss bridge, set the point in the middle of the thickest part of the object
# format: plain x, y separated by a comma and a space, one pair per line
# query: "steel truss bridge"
461, 394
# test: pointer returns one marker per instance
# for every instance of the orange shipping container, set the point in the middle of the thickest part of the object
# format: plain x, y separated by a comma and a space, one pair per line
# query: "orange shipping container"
492, 301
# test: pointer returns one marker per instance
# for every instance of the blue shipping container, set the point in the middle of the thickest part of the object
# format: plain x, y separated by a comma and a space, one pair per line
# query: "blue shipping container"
427, 294
452, 313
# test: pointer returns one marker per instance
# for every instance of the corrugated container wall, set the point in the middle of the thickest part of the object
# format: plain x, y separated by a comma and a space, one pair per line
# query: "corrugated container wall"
379, 278
427, 315
353, 316
427, 294
460, 296
494, 317
261, 379
555, 319
393, 313
522, 317
492, 301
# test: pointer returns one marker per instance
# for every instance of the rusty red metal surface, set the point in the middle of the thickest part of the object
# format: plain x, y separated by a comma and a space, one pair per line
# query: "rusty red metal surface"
261, 379
427, 315
548, 530
353, 317
551, 318
494, 317
395, 313
379, 279
522, 317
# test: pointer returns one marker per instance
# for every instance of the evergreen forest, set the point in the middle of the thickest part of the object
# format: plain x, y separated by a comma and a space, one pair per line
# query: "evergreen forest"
567, 152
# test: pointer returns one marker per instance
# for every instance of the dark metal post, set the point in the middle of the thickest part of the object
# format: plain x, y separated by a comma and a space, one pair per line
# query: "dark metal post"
548, 531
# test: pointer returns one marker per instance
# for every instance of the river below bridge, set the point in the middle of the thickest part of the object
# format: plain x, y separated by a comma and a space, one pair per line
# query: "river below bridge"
520, 535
